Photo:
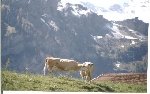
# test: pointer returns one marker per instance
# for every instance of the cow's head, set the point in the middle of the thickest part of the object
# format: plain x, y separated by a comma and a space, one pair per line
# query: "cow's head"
87, 64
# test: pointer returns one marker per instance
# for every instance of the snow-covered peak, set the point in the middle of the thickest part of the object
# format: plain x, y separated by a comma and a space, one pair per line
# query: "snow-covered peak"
78, 12
118, 9
75, 9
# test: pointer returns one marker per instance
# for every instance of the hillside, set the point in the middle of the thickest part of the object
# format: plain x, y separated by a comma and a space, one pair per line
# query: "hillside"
28, 81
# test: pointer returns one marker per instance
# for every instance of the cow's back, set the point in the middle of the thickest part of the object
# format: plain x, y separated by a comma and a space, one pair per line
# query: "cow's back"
66, 64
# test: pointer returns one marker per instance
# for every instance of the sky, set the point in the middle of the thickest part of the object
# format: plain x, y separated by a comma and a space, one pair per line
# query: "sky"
130, 8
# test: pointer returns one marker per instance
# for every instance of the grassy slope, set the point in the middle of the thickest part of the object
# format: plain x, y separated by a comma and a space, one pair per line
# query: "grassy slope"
16, 81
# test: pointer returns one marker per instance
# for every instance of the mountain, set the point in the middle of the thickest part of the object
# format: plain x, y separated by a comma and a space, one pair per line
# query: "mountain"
119, 10
35, 29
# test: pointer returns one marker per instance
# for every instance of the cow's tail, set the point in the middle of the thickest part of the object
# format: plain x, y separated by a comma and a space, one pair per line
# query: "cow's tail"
45, 66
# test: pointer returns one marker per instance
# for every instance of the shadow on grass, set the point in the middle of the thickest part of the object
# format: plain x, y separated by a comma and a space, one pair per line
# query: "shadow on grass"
92, 88
107, 88
98, 88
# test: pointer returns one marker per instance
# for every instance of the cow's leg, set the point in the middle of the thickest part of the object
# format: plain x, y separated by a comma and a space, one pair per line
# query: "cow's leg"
47, 67
87, 79
82, 74
44, 69
90, 76
83, 77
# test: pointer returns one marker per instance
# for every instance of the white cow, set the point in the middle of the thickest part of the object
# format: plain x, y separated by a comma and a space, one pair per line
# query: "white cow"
86, 72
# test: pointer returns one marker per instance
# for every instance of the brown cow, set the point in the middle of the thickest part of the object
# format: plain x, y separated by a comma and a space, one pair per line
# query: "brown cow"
85, 69
52, 63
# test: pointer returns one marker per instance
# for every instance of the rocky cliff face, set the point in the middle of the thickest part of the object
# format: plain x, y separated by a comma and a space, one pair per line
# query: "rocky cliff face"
34, 29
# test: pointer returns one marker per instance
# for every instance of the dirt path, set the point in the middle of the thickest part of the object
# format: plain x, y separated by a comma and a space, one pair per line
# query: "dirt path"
135, 78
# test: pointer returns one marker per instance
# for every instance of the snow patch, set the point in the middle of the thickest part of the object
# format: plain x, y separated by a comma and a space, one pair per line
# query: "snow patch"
122, 46
133, 42
44, 15
117, 64
50, 24
42, 20
10, 30
53, 25
78, 12
61, 6
45, 22
108, 36
118, 33
97, 37
129, 37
